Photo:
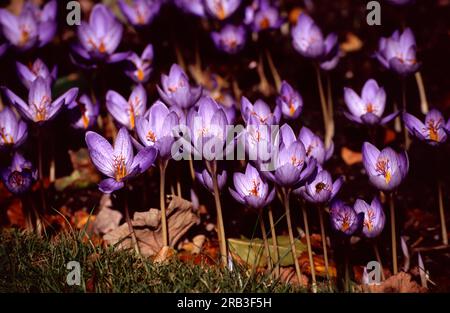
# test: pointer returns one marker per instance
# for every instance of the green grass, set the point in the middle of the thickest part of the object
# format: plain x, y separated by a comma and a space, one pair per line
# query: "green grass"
29, 263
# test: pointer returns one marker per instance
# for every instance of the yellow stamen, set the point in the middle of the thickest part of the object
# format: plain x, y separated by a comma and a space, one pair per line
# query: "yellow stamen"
140, 74
254, 190
265, 23
151, 136
5, 136
120, 168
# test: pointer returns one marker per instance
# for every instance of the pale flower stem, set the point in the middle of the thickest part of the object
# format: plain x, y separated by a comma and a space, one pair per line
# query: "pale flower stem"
191, 169
405, 131
266, 243
273, 70
422, 93
291, 236
308, 243
274, 243
330, 110
323, 103
134, 241
220, 225
162, 201
393, 234
324, 243
377, 255
442, 215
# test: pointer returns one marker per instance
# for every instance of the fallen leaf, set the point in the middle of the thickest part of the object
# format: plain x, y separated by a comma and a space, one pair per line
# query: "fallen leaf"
399, 283
107, 219
319, 265
350, 157
288, 275
148, 229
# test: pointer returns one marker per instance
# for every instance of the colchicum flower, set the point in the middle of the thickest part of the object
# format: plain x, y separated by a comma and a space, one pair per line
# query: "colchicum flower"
100, 37
140, 66
156, 127
259, 112
140, 12
19, 176
119, 162
433, 131
175, 89
251, 189
261, 15
87, 110
374, 217
386, 169
231, 39
308, 40
207, 125
125, 112
315, 148
13, 131
398, 52
291, 164
204, 177
344, 219
40, 107
32, 27
369, 108
221, 9
28, 74
290, 101
321, 188
228, 104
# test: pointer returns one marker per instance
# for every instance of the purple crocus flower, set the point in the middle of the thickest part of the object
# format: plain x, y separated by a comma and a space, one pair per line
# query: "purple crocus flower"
260, 111
119, 162
207, 125
291, 164
308, 40
261, 15
321, 188
19, 176
433, 131
3, 48
32, 27
175, 89
13, 131
125, 112
290, 101
156, 128
231, 39
228, 104
40, 107
398, 52
251, 189
367, 109
88, 112
100, 37
386, 169
28, 74
194, 7
140, 12
204, 177
141, 66
315, 148
221, 9
344, 219
374, 217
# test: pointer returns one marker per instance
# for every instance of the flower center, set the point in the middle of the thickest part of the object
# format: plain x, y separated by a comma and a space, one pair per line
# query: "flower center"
321, 186
220, 10
368, 222
41, 109
295, 161
264, 23
140, 74
345, 222
432, 128
382, 167
151, 136
255, 187
370, 108
120, 168
24, 36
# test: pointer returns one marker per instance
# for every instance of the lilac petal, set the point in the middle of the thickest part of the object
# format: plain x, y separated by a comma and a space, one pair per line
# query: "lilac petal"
236, 196
337, 186
370, 119
389, 118
353, 118
118, 57
124, 148
144, 159
354, 103
39, 91
101, 153
117, 105
287, 135
370, 156
110, 185
414, 126
19, 104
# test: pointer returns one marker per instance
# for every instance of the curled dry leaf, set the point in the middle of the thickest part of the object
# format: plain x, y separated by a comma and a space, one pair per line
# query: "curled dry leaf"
399, 283
107, 219
352, 43
148, 229
288, 275
350, 157
319, 265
